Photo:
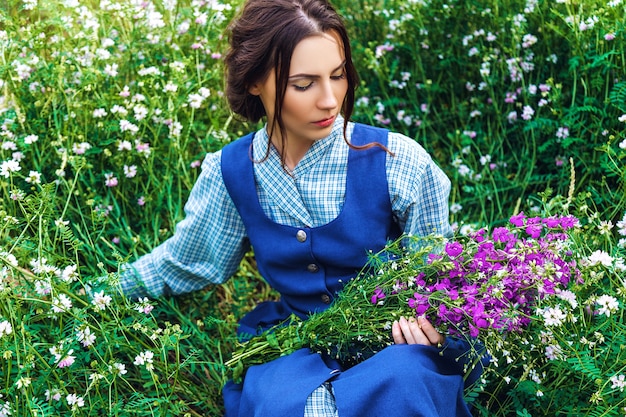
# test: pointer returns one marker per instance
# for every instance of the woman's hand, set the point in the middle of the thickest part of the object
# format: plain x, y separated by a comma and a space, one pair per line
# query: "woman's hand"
416, 331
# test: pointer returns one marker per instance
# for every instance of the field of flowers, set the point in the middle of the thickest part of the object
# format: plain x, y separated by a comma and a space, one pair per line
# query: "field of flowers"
108, 107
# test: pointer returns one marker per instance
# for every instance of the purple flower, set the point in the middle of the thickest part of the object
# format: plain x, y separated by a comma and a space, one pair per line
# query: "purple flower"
552, 222
534, 230
502, 234
518, 220
419, 303
454, 249
378, 295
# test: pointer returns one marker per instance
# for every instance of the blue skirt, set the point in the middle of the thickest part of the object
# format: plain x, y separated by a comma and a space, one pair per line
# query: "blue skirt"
400, 380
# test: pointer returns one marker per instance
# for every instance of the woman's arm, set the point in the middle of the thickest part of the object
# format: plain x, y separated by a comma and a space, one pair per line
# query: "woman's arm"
207, 246
418, 188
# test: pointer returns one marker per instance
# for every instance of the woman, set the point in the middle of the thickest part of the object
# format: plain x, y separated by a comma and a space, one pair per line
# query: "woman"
312, 193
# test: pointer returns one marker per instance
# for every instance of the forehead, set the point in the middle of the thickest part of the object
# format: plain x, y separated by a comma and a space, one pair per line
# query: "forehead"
317, 54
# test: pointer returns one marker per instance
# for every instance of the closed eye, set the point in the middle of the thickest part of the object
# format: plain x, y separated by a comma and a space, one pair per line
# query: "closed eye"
302, 87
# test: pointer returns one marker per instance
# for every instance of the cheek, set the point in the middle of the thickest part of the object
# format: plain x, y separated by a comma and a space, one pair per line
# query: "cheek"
341, 91
296, 104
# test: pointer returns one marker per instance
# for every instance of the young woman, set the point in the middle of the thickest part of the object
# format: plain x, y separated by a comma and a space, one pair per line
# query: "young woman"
312, 193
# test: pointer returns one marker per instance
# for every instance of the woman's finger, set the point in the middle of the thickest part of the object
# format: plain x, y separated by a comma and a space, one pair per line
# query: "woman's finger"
396, 332
412, 332
434, 337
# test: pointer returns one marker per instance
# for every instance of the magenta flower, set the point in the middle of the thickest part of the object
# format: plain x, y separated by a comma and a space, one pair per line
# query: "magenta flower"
454, 249
378, 295
518, 220
495, 281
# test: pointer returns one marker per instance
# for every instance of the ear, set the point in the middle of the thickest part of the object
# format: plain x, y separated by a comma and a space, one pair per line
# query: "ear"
254, 90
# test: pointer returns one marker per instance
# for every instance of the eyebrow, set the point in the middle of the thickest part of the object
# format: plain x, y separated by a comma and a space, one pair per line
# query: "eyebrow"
304, 75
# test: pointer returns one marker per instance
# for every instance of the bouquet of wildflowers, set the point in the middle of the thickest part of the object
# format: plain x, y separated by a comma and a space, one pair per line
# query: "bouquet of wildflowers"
473, 287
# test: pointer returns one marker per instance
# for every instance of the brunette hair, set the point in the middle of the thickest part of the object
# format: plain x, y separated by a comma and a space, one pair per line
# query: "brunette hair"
263, 38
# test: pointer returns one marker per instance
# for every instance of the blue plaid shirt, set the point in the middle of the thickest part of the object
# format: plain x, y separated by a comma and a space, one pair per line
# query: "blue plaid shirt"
209, 244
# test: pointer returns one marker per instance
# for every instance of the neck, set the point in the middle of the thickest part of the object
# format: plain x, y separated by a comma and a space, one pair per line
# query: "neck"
291, 153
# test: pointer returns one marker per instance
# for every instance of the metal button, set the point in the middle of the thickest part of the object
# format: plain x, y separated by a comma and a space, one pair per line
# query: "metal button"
312, 268
325, 298
301, 236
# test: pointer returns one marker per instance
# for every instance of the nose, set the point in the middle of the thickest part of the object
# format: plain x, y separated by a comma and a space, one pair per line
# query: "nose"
327, 98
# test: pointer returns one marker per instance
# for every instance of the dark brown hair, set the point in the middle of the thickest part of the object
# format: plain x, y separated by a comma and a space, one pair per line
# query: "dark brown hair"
263, 37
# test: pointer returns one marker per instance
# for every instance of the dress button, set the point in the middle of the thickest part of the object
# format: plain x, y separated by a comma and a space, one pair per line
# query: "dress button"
301, 235
325, 298
312, 268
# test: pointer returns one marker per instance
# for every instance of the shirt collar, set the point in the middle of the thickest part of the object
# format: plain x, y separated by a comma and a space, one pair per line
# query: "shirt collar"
313, 155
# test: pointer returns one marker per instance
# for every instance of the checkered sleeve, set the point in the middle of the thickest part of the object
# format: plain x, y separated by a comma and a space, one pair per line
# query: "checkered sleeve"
207, 246
419, 189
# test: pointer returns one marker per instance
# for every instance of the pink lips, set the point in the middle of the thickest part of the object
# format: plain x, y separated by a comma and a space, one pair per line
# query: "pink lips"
325, 122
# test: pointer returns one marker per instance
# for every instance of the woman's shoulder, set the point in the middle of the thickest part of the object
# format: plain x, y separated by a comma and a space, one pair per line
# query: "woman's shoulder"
407, 150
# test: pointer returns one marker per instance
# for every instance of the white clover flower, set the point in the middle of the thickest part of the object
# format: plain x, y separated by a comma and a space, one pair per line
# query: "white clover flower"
195, 101
126, 126
528, 40
177, 66
101, 301
119, 368
568, 296
54, 394
7, 167
61, 303
9, 257
204, 92
85, 337
5, 409
69, 273
30, 139
145, 358
117, 109
23, 382
95, 377
34, 177
124, 145
554, 352
141, 111
618, 381
553, 316
8, 145
170, 87
130, 171
144, 306
600, 257
81, 148
43, 287
103, 54
621, 226
5, 328
98, 113
149, 71
41, 266
111, 70
155, 20
527, 113
455, 208
75, 401
607, 304
175, 129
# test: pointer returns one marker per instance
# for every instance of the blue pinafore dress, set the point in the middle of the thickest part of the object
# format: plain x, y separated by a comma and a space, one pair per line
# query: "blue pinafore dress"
308, 266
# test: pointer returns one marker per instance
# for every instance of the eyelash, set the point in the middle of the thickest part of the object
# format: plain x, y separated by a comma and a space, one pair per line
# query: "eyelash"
306, 87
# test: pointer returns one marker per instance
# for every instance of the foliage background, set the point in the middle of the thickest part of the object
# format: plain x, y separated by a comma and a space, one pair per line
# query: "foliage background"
108, 108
